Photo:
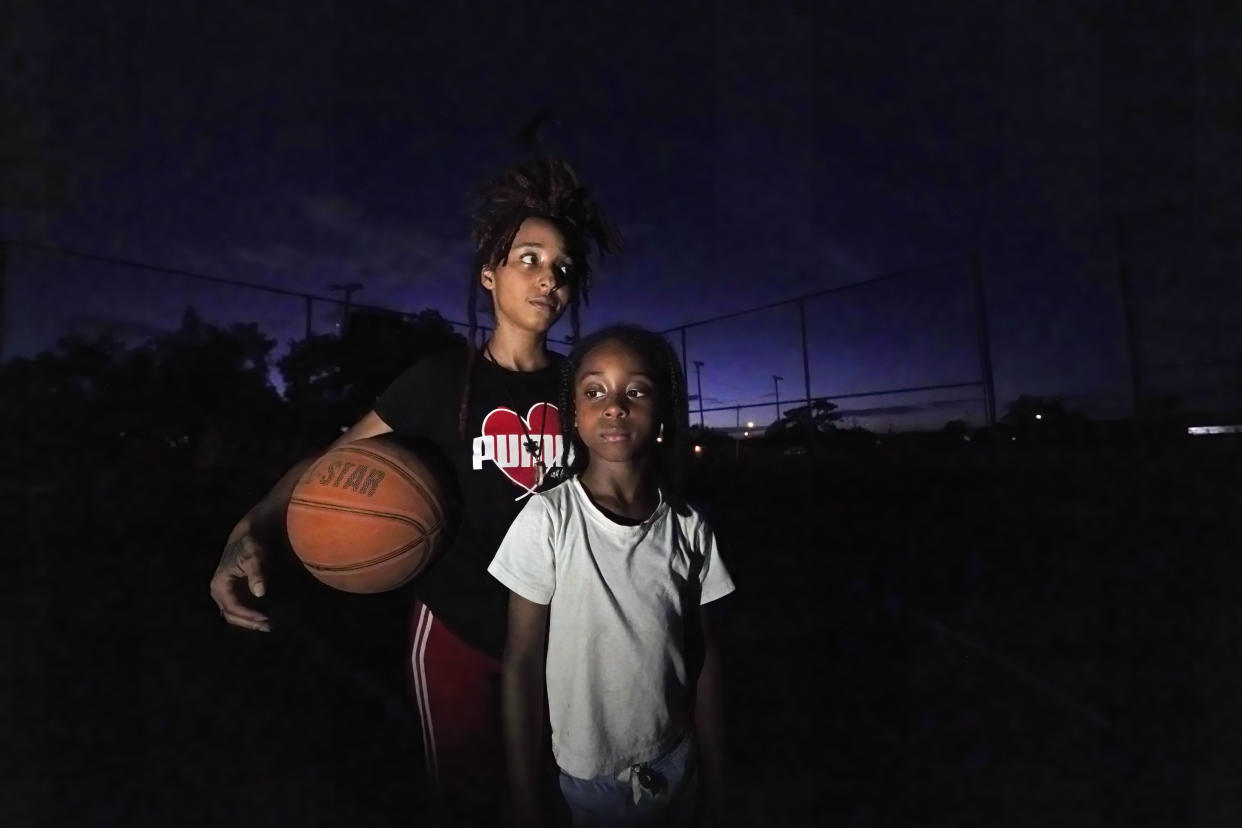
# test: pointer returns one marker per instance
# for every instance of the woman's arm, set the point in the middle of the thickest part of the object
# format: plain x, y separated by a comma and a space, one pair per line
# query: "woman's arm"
241, 569
522, 704
708, 721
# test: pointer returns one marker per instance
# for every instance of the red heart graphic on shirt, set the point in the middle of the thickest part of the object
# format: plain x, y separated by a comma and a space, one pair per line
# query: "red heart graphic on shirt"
504, 433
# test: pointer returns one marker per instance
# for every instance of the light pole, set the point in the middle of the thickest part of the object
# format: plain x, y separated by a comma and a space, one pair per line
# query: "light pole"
348, 289
1127, 315
776, 383
698, 380
4, 254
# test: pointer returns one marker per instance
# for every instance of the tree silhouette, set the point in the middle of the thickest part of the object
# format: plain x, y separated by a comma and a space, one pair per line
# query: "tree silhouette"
58, 395
820, 417
84, 398
1030, 408
332, 381
1045, 420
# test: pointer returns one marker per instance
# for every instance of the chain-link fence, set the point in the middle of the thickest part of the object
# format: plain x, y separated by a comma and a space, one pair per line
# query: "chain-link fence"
903, 350
54, 292
48, 293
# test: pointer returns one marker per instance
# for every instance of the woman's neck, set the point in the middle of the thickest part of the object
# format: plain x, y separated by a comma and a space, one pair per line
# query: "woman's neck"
517, 350
626, 489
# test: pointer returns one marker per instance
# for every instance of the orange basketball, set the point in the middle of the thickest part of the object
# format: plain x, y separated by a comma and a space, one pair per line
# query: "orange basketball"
367, 516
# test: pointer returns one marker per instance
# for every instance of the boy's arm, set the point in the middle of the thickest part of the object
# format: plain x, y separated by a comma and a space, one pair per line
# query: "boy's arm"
522, 704
709, 722
240, 570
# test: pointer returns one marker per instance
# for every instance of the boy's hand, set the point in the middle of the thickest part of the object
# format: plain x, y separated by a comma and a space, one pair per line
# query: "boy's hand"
240, 574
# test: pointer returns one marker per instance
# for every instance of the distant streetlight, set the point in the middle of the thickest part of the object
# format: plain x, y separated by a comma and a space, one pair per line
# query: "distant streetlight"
776, 381
750, 424
1039, 416
698, 449
698, 380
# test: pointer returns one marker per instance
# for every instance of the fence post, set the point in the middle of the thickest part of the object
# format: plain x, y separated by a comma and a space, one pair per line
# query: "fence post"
4, 272
806, 360
684, 372
981, 331
1127, 311
348, 289
698, 379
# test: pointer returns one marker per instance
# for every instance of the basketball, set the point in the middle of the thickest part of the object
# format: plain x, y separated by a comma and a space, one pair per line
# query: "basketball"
367, 516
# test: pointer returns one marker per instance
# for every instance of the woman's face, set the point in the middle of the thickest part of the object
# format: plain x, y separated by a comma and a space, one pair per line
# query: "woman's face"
530, 288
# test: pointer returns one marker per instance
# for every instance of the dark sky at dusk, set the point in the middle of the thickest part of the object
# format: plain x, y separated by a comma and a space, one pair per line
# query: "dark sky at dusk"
749, 154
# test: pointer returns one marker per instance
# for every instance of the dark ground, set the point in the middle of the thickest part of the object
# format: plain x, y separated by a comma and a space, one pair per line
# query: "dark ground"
921, 637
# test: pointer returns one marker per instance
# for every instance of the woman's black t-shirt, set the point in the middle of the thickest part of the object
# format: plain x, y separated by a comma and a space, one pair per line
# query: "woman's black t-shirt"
494, 472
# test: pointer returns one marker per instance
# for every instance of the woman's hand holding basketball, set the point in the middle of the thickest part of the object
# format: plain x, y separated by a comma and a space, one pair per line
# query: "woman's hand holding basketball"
240, 574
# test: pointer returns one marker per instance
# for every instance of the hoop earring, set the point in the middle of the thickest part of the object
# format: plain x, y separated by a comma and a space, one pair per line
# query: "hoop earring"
660, 436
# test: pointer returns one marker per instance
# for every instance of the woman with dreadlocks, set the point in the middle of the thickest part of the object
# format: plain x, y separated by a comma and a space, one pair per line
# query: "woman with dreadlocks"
493, 413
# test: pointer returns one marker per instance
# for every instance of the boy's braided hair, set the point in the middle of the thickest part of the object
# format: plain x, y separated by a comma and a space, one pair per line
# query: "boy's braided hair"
672, 452
545, 188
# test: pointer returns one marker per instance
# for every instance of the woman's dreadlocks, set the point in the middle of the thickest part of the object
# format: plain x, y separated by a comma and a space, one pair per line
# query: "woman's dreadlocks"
549, 189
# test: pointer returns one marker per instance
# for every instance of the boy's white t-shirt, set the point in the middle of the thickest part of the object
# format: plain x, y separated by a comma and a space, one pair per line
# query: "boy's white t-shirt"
616, 668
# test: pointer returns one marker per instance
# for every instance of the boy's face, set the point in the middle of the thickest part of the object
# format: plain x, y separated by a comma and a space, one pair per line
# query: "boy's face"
530, 288
616, 404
